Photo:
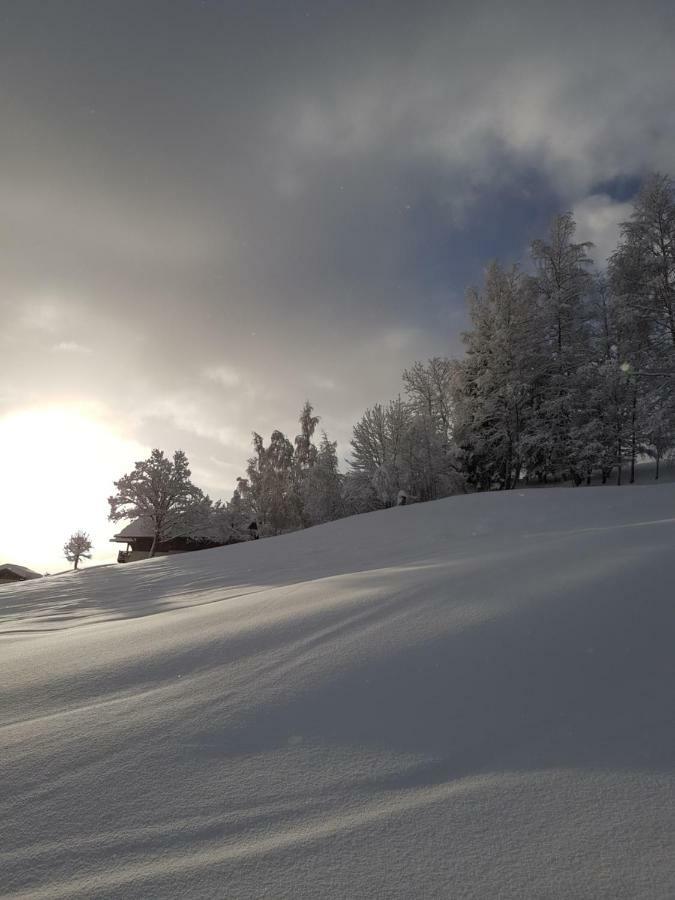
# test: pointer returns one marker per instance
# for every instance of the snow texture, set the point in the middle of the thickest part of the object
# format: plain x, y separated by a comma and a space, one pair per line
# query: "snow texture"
466, 698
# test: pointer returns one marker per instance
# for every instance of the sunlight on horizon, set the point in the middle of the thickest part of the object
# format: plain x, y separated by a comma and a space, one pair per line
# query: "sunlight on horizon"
59, 464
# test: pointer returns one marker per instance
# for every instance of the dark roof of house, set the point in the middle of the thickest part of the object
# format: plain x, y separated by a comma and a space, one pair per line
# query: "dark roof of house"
21, 571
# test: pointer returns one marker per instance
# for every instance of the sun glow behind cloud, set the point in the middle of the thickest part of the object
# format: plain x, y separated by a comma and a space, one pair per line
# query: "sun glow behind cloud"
58, 465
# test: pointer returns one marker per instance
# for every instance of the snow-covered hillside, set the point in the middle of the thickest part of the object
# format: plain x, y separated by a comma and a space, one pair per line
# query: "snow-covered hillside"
468, 698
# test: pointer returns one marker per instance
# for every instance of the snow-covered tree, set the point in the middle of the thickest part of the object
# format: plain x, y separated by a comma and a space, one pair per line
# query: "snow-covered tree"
322, 485
304, 460
498, 384
642, 278
559, 381
378, 445
643, 266
205, 520
77, 547
429, 389
271, 483
240, 511
405, 445
305, 451
292, 486
430, 452
158, 489
563, 285
658, 421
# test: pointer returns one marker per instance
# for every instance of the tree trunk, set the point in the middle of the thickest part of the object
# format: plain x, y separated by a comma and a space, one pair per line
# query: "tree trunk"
516, 474
619, 463
76, 561
633, 438
658, 460
154, 543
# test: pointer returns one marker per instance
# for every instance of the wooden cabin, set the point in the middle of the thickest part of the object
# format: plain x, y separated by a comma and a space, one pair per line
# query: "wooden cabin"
9, 573
137, 536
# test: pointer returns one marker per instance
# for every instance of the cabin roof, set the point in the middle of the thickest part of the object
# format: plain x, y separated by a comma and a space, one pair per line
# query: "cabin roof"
141, 527
21, 571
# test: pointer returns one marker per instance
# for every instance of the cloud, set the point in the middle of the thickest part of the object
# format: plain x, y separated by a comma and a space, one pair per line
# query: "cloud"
49, 316
578, 100
598, 218
70, 347
322, 382
396, 339
223, 375
192, 413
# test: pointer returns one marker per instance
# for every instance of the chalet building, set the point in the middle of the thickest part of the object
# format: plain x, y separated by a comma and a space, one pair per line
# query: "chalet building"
138, 539
10, 573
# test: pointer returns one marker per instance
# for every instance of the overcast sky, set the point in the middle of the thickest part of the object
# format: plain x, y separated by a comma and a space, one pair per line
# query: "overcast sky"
211, 211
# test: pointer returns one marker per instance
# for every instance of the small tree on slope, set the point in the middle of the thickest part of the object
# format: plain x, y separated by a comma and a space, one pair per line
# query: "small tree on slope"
77, 547
159, 489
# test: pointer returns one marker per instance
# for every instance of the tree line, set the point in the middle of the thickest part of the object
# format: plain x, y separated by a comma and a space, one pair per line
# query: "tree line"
568, 375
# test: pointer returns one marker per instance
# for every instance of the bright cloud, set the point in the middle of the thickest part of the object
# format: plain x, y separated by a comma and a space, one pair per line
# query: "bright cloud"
223, 375
598, 219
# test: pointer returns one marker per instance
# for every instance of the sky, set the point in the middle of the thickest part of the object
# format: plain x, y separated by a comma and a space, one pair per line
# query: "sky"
211, 211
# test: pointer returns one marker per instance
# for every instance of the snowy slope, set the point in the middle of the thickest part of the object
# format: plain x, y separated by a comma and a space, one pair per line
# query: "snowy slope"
468, 698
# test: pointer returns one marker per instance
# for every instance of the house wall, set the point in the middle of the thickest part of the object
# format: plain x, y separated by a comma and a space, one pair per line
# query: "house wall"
135, 555
8, 577
139, 547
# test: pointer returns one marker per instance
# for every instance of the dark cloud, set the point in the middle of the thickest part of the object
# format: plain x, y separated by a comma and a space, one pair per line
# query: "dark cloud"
295, 194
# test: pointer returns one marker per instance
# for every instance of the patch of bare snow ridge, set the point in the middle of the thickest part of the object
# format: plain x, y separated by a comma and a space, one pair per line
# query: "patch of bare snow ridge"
467, 698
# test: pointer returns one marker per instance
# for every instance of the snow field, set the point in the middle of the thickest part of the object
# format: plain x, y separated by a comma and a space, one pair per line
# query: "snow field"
468, 698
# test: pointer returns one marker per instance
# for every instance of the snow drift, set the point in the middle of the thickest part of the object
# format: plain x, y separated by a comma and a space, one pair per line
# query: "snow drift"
467, 698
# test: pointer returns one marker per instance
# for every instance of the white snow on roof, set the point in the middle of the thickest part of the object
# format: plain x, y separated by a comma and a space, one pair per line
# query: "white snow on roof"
466, 698
22, 571
141, 527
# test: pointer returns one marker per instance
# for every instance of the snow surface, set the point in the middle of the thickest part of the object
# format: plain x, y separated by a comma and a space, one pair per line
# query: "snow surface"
467, 698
